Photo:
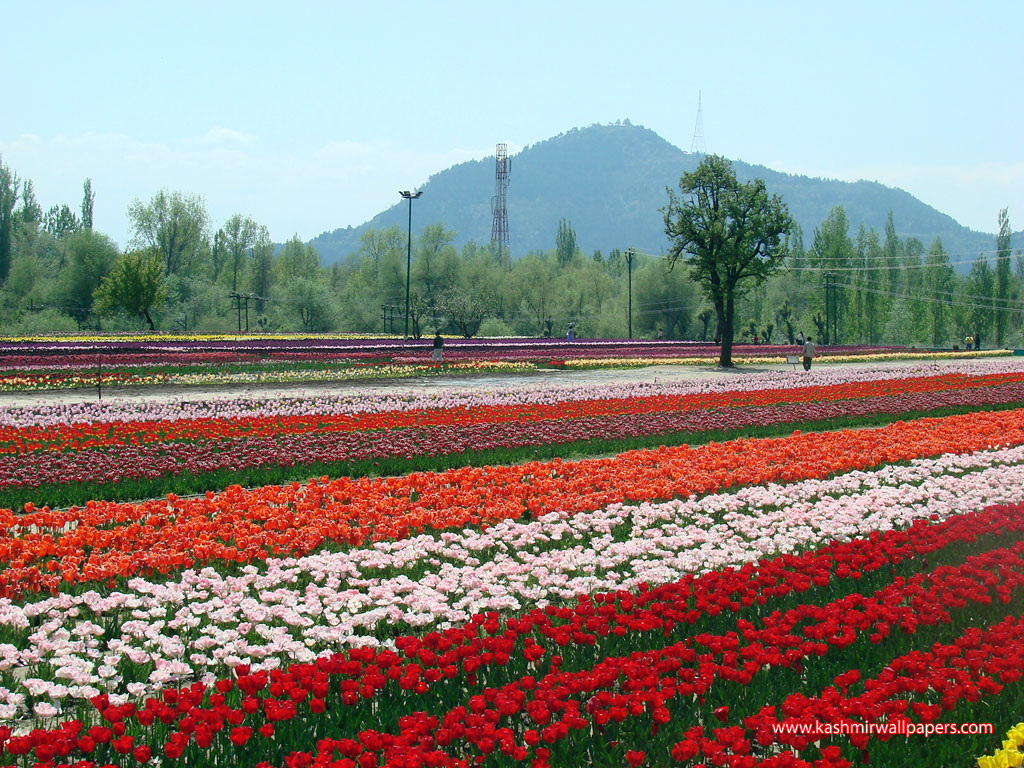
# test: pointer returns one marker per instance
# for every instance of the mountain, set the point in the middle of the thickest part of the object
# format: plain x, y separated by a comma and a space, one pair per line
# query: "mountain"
609, 181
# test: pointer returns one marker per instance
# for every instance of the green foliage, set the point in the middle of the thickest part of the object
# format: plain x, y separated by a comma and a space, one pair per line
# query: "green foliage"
92, 256
29, 212
261, 266
60, 221
565, 242
41, 322
174, 225
1003, 279
88, 201
939, 282
9, 188
664, 298
309, 300
730, 234
135, 287
297, 260
888, 293
232, 244
980, 286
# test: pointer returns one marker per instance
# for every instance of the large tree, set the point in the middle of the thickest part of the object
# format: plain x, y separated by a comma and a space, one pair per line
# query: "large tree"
261, 266
980, 286
1002, 297
732, 236
10, 186
135, 286
236, 237
832, 249
939, 281
173, 224
565, 242
88, 199
92, 256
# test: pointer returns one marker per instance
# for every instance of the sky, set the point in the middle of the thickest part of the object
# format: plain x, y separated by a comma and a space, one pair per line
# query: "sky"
308, 116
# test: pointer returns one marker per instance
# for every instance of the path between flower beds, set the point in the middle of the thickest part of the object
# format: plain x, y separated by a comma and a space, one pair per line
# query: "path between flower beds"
429, 384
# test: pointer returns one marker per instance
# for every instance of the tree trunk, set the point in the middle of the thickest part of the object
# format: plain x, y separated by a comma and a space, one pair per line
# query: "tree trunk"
724, 317
149, 319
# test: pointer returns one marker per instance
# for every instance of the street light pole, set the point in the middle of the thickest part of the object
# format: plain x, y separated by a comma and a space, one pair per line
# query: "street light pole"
630, 253
410, 196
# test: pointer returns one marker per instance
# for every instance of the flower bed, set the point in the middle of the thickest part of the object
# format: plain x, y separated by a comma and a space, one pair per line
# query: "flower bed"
46, 364
135, 452
696, 668
109, 451
295, 609
106, 540
665, 606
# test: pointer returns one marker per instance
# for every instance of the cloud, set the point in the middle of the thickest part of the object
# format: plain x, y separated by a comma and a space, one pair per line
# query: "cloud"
221, 136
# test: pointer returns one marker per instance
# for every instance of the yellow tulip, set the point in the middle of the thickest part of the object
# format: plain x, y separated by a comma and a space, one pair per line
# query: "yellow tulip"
1016, 734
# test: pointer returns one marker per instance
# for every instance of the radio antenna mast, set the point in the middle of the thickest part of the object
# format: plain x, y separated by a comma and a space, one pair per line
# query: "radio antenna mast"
697, 146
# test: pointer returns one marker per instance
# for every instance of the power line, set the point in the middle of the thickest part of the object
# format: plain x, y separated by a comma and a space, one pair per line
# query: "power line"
930, 300
884, 256
877, 267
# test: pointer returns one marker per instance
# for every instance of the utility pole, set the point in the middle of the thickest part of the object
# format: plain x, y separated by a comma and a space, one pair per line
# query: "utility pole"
630, 254
831, 310
828, 280
387, 312
237, 298
410, 196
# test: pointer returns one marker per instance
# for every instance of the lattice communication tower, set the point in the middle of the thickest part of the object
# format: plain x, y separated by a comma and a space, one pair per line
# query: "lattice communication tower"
499, 207
697, 145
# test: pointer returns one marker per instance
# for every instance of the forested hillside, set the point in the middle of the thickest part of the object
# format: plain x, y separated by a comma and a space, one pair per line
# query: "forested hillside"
609, 181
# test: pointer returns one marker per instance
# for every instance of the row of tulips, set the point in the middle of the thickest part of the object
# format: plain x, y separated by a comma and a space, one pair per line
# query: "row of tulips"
277, 374
313, 369
76, 437
130, 359
292, 446
624, 675
513, 394
44, 548
204, 622
341, 347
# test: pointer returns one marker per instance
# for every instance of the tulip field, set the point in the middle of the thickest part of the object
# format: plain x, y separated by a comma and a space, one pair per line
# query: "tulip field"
138, 360
781, 569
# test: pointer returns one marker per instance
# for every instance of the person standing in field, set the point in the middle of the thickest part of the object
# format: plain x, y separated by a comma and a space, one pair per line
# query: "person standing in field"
809, 351
438, 352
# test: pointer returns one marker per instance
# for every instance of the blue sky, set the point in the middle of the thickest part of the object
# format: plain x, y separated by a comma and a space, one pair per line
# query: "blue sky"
311, 115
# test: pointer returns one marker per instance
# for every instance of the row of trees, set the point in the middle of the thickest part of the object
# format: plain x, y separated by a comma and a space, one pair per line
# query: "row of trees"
182, 273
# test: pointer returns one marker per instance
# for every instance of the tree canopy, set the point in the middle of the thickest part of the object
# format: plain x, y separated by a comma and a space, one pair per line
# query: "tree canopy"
731, 235
135, 286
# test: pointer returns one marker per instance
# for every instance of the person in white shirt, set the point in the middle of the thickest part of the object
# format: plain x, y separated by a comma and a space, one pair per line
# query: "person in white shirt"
808, 353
